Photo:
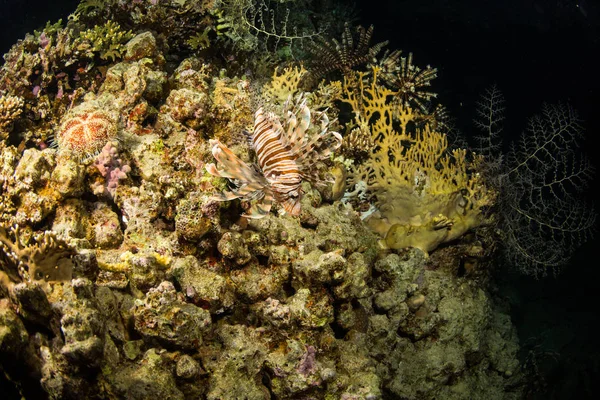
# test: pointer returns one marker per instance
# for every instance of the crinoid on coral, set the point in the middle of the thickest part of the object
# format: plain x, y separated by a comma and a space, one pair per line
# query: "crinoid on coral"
86, 128
408, 80
287, 155
331, 56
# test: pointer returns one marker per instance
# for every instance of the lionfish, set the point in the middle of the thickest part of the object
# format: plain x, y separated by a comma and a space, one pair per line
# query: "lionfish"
286, 156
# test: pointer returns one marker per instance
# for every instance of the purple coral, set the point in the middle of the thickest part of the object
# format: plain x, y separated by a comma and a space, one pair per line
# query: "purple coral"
307, 364
112, 169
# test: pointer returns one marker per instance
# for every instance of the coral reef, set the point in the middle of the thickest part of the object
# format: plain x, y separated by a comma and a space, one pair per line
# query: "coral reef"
122, 276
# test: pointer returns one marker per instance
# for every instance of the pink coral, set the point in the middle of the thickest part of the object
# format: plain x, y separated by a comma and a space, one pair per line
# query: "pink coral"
112, 169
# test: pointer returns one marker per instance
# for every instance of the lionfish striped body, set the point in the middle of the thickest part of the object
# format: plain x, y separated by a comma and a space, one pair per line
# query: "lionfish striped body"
286, 156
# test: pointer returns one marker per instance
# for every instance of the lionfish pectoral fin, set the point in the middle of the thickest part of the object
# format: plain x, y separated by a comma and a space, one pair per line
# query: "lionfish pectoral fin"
260, 209
224, 196
212, 169
231, 166
292, 206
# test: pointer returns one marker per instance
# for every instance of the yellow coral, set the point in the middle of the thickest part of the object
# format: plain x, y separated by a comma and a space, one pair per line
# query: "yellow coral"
10, 109
324, 96
284, 85
425, 195
288, 84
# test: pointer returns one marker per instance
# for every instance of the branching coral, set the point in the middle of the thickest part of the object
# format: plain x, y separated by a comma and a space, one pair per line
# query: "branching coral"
425, 195
112, 169
46, 256
288, 83
105, 40
10, 109
283, 85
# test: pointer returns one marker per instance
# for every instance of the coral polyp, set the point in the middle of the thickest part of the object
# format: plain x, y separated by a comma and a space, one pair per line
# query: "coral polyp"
85, 130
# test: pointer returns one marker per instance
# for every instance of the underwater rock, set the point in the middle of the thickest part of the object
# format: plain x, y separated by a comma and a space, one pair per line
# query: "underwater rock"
345, 317
232, 246
133, 348
85, 264
107, 233
165, 317
82, 326
237, 364
357, 278
501, 345
32, 176
151, 377
300, 369
191, 73
116, 311
416, 301
147, 157
358, 375
144, 270
33, 304
35, 168
256, 282
141, 46
191, 223
187, 367
155, 86
311, 309
13, 335
319, 267
183, 108
72, 219
274, 312
202, 286
68, 177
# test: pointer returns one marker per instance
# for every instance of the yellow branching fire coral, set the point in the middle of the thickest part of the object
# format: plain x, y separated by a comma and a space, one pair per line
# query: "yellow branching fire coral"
285, 84
288, 83
424, 194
